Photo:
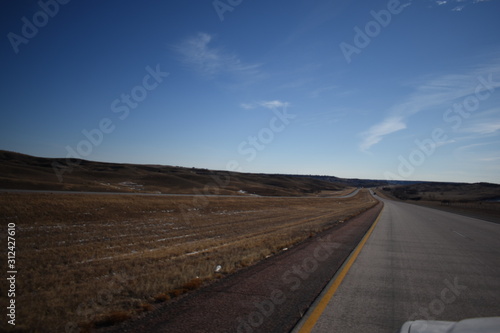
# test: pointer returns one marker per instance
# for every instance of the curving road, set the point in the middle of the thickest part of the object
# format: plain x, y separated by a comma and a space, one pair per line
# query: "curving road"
419, 263
353, 193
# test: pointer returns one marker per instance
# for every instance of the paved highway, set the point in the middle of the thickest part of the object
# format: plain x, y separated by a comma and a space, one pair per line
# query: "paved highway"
353, 193
418, 263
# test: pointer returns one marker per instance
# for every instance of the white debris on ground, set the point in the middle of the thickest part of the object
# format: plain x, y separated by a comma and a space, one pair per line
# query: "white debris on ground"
131, 185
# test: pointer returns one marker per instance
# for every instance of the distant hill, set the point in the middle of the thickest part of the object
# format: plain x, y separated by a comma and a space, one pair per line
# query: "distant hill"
355, 182
446, 192
19, 171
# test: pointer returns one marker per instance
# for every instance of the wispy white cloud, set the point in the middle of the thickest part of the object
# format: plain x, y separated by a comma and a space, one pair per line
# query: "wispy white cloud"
458, 5
479, 152
483, 128
439, 92
275, 104
445, 143
483, 125
198, 53
376, 133
247, 106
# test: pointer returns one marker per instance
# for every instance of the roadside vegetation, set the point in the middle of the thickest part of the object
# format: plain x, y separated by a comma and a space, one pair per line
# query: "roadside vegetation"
93, 260
480, 200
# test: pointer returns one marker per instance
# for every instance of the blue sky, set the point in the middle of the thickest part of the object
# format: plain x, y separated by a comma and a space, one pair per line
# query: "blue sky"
359, 89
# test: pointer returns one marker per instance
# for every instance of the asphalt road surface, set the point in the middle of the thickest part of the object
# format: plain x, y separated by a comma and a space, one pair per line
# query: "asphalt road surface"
418, 263
353, 193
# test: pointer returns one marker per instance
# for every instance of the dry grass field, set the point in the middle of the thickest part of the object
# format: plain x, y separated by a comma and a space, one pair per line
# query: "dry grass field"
91, 260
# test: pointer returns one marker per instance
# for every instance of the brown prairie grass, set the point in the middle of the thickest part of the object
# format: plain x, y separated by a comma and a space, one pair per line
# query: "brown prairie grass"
193, 284
112, 319
94, 260
145, 307
163, 297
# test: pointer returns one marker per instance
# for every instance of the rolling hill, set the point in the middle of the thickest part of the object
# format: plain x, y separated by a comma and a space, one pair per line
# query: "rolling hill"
19, 171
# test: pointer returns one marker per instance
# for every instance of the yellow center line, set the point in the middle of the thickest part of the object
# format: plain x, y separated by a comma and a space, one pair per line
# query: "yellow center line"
321, 306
